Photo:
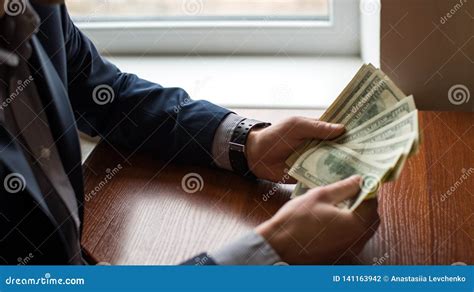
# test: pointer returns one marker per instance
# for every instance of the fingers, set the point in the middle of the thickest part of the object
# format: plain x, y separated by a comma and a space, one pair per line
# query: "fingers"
364, 221
339, 191
367, 214
306, 128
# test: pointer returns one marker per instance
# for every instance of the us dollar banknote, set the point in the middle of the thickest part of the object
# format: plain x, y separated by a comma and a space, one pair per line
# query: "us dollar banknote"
361, 77
403, 142
359, 104
349, 91
300, 189
381, 133
329, 163
403, 125
376, 95
402, 108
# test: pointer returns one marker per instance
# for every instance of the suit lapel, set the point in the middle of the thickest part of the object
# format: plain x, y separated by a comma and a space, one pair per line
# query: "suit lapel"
51, 23
60, 116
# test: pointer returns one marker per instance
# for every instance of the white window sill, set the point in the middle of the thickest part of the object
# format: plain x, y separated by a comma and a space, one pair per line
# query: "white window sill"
294, 82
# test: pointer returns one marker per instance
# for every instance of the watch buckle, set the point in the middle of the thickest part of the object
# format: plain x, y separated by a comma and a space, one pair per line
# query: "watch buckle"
236, 147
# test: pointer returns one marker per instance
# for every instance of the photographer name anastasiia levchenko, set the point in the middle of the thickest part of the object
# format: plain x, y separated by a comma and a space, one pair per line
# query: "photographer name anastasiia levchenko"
421, 278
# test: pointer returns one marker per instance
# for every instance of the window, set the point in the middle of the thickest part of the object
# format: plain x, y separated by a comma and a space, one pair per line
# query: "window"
313, 27
200, 9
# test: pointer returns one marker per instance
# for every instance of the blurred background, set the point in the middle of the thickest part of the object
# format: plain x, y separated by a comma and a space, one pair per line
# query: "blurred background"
257, 54
100, 9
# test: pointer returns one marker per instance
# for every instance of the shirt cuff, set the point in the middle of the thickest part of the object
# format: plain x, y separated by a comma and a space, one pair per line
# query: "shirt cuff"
252, 249
220, 145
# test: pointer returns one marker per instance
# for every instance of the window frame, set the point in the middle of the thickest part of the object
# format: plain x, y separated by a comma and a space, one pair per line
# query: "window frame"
340, 35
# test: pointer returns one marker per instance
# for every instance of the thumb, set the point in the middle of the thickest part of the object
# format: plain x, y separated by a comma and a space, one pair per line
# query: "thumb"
339, 191
312, 128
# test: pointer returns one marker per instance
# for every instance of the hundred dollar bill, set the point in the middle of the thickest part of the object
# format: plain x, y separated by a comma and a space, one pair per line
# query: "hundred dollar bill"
385, 158
329, 163
386, 152
364, 73
393, 153
392, 158
386, 117
373, 183
299, 190
376, 95
403, 142
382, 132
396, 158
404, 125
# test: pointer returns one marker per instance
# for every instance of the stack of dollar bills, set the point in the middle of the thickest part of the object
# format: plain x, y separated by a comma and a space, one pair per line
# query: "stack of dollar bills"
381, 133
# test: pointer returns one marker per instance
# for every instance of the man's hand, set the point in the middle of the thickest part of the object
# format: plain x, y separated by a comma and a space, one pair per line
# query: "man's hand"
268, 148
312, 230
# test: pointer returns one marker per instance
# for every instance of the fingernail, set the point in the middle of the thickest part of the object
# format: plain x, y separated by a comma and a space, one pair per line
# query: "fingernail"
337, 126
356, 177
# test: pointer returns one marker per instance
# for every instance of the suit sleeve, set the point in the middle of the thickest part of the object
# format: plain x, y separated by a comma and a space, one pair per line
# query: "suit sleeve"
200, 260
134, 113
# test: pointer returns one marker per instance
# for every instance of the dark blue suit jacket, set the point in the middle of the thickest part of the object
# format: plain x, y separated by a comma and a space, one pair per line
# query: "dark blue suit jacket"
142, 116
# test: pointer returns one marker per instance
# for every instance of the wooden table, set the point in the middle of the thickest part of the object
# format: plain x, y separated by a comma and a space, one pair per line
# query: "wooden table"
141, 214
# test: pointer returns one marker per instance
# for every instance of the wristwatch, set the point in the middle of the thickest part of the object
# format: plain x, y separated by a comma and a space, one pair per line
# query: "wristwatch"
237, 143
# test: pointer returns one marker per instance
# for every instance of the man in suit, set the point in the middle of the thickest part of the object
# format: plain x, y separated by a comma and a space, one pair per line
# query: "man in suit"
53, 82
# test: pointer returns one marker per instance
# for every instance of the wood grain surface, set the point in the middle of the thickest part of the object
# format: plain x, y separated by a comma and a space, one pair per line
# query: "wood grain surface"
138, 212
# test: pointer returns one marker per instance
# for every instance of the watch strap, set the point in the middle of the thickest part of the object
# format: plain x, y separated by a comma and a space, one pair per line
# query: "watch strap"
237, 145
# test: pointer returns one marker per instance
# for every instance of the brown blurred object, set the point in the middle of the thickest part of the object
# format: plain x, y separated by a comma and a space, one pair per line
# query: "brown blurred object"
428, 49
143, 215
